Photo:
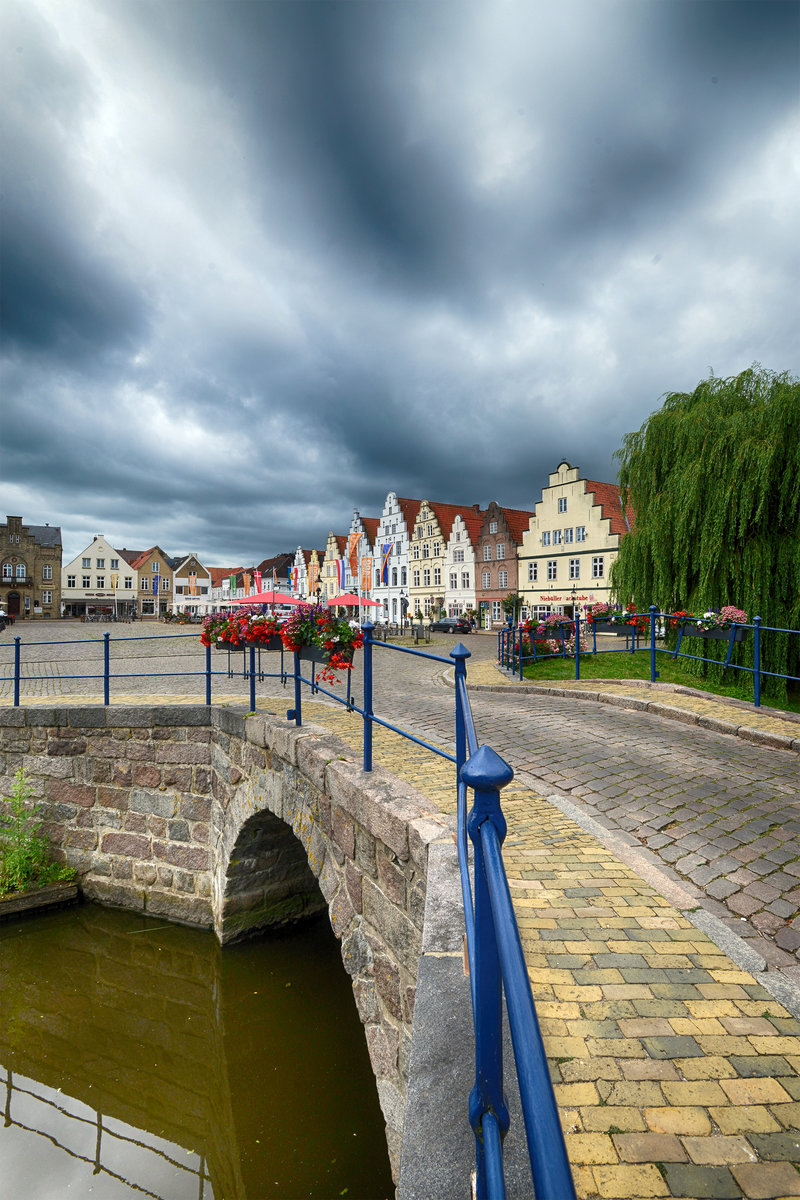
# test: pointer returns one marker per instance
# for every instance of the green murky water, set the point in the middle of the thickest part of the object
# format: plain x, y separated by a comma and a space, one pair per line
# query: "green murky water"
137, 1058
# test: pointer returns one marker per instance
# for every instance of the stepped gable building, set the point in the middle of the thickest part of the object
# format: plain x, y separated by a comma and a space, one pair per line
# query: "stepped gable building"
570, 544
100, 582
460, 564
432, 528
335, 575
30, 569
497, 565
367, 529
391, 551
305, 574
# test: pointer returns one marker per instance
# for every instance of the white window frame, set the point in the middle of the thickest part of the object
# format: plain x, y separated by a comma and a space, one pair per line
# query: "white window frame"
486, 580
502, 579
552, 569
546, 537
487, 552
580, 533
562, 504
574, 568
598, 566
500, 550
533, 572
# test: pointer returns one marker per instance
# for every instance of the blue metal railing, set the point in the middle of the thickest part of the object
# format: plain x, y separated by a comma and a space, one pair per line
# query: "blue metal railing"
494, 948
513, 656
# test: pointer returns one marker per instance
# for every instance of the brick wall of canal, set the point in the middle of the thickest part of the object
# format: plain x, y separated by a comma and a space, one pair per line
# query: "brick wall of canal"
239, 823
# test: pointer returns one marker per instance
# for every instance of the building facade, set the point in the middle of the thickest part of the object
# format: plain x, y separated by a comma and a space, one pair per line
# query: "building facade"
497, 566
30, 569
191, 586
99, 582
390, 558
572, 539
460, 562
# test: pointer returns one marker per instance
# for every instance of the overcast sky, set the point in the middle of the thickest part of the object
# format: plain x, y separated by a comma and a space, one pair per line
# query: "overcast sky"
265, 262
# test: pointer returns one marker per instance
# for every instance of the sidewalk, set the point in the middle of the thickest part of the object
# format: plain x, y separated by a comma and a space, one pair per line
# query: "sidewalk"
676, 1069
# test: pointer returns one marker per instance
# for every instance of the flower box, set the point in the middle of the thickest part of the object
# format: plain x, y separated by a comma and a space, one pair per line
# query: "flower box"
719, 633
321, 655
620, 628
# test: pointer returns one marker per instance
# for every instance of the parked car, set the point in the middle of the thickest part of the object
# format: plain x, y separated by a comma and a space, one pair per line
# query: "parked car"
451, 625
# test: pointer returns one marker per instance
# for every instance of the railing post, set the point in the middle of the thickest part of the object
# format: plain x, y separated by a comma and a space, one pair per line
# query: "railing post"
653, 671
576, 615
486, 773
17, 641
757, 661
208, 675
252, 677
296, 714
106, 663
460, 654
367, 629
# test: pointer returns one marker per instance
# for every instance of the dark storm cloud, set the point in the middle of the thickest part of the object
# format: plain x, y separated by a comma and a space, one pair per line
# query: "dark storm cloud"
267, 261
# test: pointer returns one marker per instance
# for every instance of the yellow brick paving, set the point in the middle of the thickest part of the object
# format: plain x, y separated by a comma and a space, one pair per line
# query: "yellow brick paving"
676, 1073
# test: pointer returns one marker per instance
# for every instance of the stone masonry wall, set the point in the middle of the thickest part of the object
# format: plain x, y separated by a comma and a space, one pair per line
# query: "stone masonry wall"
184, 812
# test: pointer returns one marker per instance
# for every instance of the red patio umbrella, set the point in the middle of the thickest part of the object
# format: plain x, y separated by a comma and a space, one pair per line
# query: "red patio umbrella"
270, 598
348, 598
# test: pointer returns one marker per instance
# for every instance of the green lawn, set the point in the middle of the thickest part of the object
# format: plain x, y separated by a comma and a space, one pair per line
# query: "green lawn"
621, 665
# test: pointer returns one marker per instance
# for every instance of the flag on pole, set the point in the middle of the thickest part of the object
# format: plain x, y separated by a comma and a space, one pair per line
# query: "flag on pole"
257, 578
366, 574
232, 582
313, 576
155, 584
246, 583
193, 585
352, 552
340, 573
114, 582
386, 550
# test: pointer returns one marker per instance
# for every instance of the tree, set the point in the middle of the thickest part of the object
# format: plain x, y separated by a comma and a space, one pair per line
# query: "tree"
714, 481
512, 604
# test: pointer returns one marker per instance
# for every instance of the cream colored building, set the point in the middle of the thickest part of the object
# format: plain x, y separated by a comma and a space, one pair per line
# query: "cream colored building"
191, 586
572, 539
99, 583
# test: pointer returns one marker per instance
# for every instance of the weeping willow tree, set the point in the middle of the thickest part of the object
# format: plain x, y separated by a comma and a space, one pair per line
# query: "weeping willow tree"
714, 481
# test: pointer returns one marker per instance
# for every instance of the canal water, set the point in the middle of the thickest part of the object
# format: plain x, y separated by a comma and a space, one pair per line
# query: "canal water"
138, 1058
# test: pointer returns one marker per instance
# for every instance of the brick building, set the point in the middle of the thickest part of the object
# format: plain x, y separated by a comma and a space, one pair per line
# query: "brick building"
30, 569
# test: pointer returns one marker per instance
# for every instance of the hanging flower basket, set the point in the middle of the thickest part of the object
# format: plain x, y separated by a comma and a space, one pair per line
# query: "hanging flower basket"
620, 628
321, 654
318, 635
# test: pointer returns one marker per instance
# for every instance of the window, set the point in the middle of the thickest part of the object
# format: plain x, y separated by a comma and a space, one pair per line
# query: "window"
70, 581
155, 568
500, 550
415, 577
497, 610
87, 581
164, 585
486, 579
453, 580
562, 504
437, 576
502, 579
416, 552
556, 537
144, 584
546, 538
101, 581
47, 571
580, 533
403, 577
574, 568
47, 597
487, 552
426, 577
20, 571
457, 536
493, 527
114, 564
129, 582
568, 535
394, 576
533, 572
8, 571
552, 568
100, 564
458, 556
598, 566
426, 551
465, 579
86, 562
377, 577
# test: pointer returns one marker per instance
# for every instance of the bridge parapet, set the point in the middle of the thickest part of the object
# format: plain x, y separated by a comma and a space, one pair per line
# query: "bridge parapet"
235, 822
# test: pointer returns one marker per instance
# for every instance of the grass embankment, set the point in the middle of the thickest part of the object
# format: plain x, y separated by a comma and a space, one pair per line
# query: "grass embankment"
623, 665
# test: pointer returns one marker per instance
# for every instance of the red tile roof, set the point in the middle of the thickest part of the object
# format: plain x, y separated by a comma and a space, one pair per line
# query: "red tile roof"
518, 522
371, 527
219, 573
608, 497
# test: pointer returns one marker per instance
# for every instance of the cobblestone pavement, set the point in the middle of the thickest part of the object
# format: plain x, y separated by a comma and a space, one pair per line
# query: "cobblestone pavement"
668, 1013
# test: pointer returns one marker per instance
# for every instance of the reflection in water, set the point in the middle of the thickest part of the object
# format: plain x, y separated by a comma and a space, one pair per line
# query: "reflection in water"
140, 1059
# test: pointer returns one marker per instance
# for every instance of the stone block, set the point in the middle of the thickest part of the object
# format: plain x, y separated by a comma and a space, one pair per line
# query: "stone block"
130, 844
63, 792
393, 926
189, 858
161, 804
